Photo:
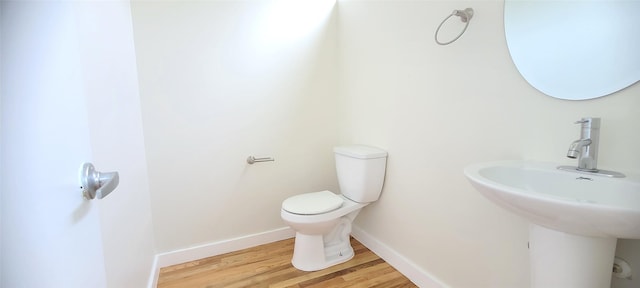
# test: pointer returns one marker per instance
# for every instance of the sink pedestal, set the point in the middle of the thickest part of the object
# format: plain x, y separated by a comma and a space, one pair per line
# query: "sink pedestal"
560, 259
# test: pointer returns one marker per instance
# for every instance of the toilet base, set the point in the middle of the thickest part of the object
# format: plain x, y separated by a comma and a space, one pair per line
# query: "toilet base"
317, 252
311, 254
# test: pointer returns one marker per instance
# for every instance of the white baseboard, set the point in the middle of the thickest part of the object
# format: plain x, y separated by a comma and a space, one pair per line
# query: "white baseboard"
416, 274
155, 272
215, 248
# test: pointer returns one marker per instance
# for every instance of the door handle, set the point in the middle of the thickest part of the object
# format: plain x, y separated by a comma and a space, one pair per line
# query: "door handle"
97, 184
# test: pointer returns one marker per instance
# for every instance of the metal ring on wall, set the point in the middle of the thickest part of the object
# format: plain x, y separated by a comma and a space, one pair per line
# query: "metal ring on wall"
465, 15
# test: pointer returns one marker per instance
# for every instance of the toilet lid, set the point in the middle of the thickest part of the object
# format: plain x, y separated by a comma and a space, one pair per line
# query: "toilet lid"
312, 203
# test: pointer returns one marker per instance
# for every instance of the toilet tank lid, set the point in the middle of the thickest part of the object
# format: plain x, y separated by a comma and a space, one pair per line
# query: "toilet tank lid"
312, 203
360, 151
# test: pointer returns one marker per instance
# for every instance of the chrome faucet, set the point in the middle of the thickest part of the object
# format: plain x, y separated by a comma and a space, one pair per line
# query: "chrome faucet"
586, 148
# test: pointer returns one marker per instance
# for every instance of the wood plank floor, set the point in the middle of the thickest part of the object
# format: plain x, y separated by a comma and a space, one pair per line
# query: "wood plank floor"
269, 265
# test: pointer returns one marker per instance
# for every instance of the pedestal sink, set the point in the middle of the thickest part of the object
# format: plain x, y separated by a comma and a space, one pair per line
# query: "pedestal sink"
575, 218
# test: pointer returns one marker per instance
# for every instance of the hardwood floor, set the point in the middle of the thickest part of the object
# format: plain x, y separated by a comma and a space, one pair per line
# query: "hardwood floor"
269, 265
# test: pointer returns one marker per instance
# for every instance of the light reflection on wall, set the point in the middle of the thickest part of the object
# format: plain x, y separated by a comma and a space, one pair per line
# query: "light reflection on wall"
287, 21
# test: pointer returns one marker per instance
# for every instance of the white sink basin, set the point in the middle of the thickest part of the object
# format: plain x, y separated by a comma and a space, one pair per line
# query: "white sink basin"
571, 202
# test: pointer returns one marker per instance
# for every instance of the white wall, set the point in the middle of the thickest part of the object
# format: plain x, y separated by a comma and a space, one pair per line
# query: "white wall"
438, 108
1, 165
1, 162
222, 80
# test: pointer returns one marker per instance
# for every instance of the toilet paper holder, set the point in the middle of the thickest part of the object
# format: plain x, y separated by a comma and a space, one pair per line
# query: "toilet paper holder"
253, 159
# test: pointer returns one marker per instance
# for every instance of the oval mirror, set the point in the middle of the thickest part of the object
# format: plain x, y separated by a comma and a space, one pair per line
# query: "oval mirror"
575, 50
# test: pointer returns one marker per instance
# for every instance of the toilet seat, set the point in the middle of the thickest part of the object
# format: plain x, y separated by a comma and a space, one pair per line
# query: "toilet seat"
312, 203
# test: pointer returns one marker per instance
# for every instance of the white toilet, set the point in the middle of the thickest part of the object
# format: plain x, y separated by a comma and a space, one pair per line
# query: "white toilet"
322, 220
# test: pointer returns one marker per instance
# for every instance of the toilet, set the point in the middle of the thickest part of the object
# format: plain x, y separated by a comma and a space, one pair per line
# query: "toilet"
322, 220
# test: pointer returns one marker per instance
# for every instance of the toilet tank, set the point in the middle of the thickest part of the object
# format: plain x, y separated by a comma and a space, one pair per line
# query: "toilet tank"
360, 171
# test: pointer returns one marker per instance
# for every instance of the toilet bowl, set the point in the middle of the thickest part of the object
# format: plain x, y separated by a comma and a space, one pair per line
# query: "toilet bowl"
322, 220
322, 240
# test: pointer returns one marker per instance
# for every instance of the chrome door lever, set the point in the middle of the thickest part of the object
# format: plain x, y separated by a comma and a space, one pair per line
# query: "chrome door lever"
97, 184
